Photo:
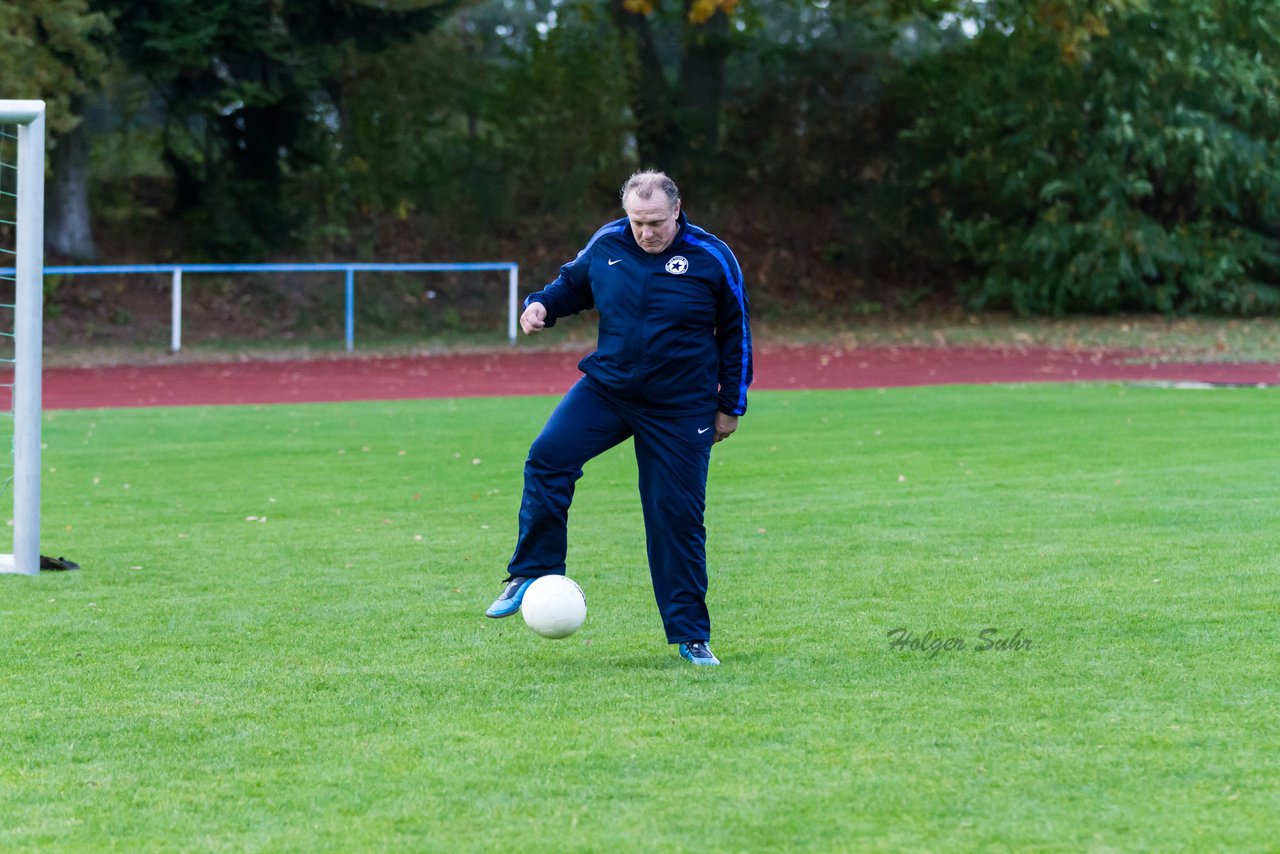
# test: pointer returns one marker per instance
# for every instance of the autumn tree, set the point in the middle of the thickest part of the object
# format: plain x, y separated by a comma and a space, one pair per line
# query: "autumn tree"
677, 115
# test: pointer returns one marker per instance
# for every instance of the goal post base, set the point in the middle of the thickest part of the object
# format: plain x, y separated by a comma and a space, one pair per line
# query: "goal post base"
8, 566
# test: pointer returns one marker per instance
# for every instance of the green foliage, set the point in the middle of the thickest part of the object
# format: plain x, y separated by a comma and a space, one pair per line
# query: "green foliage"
1107, 156
477, 132
819, 89
247, 91
1056, 156
51, 50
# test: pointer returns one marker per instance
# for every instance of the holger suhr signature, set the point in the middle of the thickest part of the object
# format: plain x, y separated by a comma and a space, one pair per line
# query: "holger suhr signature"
989, 640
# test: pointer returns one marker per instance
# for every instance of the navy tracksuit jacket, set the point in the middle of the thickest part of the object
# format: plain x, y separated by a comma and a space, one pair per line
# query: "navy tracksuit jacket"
674, 347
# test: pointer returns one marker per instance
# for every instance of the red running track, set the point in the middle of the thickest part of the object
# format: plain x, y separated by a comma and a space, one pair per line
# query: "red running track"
517, 372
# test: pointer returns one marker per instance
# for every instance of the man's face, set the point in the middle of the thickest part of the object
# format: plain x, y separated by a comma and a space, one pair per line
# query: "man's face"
654, 221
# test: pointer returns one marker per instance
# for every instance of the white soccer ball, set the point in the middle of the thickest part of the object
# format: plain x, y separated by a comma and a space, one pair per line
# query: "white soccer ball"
554, 606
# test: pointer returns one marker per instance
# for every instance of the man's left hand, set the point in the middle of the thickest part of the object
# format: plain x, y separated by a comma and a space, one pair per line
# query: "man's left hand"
725, 425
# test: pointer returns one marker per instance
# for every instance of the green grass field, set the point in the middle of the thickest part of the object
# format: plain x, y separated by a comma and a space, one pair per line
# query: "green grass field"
276, 641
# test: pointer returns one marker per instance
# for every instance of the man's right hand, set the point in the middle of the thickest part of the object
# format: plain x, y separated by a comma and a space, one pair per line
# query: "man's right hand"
534, 318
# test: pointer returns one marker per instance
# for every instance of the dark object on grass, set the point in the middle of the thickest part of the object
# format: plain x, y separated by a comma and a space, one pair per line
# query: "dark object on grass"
56, 564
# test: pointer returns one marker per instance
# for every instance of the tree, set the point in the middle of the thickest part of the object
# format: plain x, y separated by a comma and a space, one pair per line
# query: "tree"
1107, 155
677, 121
250, 95
53, 50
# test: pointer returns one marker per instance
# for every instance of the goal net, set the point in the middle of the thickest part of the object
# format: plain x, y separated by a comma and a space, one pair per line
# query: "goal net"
21, 310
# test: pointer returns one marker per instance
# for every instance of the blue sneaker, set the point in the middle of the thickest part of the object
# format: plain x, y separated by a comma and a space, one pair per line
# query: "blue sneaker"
698, 652
512, 595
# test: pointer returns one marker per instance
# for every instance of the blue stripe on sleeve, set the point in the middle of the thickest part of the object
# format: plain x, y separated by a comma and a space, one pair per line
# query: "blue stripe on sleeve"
615, 227
733, 275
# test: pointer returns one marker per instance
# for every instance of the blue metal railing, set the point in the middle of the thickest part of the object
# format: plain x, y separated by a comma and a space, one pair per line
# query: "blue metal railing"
176, 272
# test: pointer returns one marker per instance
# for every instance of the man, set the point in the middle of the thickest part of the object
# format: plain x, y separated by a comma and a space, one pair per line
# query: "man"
671, 370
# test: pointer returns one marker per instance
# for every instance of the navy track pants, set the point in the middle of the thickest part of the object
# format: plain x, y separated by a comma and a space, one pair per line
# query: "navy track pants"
672, 454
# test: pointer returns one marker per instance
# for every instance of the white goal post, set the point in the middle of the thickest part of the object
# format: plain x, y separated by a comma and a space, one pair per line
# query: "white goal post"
23, 125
